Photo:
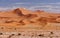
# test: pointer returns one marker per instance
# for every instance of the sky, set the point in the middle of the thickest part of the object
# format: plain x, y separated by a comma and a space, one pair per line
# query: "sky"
46, 5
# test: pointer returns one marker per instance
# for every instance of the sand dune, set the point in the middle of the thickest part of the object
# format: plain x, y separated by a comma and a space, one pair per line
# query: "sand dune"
23, 18
23, 23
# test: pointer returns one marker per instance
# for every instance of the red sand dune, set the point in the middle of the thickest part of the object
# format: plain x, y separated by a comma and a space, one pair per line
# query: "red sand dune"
24, 18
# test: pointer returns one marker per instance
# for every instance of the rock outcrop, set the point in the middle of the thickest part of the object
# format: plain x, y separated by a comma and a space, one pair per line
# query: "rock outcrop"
18, 12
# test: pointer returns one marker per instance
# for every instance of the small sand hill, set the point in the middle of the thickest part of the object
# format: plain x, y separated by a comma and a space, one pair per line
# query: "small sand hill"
22, 18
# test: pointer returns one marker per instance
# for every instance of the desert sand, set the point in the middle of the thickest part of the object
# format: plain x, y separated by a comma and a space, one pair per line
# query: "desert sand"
23, 20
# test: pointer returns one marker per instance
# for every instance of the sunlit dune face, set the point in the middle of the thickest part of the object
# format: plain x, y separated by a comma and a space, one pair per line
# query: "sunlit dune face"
58, 20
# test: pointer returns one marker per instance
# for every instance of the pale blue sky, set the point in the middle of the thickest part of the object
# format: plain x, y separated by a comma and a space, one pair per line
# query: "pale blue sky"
47, 5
